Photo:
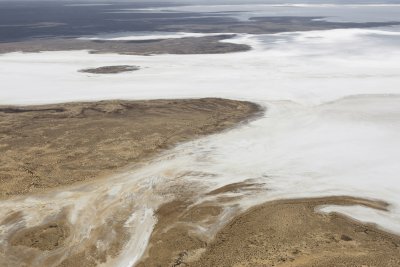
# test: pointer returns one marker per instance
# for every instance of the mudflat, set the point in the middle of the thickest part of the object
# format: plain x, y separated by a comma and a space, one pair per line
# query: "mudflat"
54, 145
189, 45
277, 233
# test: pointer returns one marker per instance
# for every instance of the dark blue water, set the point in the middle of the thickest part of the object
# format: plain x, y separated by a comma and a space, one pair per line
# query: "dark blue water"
21, 20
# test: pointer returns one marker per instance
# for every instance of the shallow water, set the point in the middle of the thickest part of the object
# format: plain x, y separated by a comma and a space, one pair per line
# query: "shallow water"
330, 128
334, 11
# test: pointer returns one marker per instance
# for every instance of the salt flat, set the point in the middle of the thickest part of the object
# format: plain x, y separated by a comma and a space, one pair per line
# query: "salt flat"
331, 125
310, 67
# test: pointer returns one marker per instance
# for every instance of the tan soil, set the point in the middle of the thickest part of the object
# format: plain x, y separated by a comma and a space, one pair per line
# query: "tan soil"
278, 233
55, 145
44, 237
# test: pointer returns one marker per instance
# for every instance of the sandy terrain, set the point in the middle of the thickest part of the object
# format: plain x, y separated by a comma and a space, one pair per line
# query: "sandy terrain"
60, 144
278, 233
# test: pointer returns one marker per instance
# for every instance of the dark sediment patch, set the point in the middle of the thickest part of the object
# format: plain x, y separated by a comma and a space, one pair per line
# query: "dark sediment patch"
235, 187
189, 45
25, 110
270, 25
111, 69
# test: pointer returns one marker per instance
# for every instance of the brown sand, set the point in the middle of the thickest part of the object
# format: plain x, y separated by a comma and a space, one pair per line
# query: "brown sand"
278, 233
54, 145
44, 237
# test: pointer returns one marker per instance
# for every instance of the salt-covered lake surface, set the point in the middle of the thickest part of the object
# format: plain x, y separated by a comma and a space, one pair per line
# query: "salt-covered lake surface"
331, 125
308, 67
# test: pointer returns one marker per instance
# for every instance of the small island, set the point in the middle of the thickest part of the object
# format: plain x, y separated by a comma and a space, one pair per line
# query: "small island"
111, 69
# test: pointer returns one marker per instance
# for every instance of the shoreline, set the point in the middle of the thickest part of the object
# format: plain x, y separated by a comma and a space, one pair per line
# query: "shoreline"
143, 123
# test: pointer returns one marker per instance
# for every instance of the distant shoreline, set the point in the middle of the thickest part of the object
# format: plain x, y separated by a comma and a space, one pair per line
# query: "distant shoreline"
187, 45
